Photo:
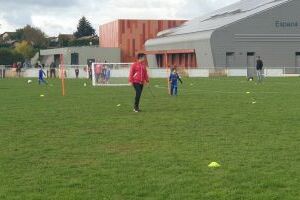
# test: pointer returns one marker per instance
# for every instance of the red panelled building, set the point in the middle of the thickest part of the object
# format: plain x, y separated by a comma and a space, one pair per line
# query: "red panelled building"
131, 35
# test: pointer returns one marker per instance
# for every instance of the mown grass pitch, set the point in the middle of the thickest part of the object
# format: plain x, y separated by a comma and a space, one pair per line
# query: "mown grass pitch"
84, 146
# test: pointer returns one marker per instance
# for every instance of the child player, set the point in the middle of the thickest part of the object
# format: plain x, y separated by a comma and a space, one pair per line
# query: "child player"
107, 74
41, 76
174, 77
76, 72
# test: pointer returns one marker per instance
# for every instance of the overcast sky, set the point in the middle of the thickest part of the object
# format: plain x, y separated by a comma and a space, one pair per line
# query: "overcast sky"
61, 16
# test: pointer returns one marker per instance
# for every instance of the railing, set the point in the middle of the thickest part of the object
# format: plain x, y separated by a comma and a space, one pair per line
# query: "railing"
2, 71
8, 71
242, 72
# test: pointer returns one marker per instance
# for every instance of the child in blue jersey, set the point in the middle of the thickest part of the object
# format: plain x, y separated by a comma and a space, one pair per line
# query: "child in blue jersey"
41, 76
107, 75
174, 78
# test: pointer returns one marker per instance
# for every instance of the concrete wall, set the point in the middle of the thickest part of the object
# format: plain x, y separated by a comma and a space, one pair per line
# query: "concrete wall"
262, 34
198, 41
85, 53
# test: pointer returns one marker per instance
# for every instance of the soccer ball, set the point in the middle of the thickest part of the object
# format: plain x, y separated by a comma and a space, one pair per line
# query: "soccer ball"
29, 81
84, 84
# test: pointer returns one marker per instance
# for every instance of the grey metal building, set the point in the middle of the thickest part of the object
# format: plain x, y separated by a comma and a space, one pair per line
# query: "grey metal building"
235, 35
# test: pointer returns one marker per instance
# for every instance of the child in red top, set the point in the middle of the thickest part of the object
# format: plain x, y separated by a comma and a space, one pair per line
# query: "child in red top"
98, 69
138, 76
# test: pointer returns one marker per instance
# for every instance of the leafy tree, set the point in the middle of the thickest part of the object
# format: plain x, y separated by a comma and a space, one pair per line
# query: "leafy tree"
64, 40
32, 35
25, 49
84, 28
9, 56
84, 42
5, 45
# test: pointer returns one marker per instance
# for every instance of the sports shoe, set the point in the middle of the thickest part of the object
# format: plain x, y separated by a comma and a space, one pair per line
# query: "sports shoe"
136, 110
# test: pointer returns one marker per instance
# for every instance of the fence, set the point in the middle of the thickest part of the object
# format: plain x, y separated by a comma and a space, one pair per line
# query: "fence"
242, 72
2, 71
8, 72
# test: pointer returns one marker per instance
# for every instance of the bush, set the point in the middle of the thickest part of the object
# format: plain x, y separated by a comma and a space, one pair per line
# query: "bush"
83, 42
9, 56
5, 45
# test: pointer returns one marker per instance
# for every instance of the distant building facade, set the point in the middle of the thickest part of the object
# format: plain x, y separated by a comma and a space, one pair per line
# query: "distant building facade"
233, 37
131, 35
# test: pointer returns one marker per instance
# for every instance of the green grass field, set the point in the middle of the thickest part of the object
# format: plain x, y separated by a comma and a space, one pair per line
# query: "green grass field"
83, 146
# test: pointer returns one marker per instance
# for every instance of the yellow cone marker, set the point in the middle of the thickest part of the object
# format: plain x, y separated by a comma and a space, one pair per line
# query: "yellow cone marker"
214, 165
42, 95
248, 92
118, 105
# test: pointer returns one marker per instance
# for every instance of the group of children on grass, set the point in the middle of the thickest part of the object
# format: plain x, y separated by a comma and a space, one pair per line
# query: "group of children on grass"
102, 74
138, 77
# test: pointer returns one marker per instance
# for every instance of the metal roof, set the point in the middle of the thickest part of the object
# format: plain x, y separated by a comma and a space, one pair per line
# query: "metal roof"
223, 16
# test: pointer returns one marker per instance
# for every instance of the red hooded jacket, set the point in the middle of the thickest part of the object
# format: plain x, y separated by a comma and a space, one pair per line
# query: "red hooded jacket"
138, 73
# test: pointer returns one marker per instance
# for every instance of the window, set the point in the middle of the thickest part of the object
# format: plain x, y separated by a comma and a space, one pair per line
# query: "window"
229, 59
250, 60
159, 59
298, 60
74, 59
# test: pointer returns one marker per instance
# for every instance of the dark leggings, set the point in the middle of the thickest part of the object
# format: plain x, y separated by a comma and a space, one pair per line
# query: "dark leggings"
138, 92
52, 73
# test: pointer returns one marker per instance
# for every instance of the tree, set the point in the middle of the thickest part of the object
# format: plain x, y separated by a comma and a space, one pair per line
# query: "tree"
84, 28
84, 41
25, 49
32, 35
64, 39
9, 56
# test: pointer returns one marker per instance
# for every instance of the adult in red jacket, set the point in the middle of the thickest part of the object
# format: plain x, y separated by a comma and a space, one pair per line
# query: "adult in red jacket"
138, 77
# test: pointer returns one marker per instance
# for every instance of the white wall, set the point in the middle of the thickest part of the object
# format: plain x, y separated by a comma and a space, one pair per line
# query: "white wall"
163, 73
